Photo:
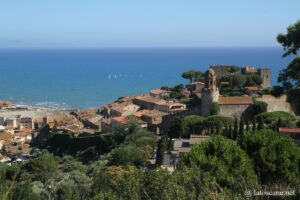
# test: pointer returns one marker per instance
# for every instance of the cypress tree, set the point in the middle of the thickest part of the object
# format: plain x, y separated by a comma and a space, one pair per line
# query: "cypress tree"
225, 131
212, 131
254, 125
241, 130
247, 126
162, 146
260, 123
230, 132
236, 129
279, 124
160, 153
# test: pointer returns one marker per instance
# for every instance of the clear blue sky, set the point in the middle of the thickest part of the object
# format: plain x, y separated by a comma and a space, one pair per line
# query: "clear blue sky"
144, 23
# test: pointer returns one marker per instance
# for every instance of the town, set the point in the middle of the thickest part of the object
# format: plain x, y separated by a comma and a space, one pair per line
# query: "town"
227, 91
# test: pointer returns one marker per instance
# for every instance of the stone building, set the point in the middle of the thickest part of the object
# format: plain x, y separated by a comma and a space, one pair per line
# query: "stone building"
229, 106
210, 93
235, 106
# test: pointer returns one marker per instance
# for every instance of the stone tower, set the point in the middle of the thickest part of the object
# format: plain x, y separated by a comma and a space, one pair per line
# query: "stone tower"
210, 93
265, 74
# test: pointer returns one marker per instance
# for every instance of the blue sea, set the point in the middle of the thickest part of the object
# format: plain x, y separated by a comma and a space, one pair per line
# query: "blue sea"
87, 78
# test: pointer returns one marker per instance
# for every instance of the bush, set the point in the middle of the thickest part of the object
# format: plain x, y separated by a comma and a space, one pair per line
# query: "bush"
276, 158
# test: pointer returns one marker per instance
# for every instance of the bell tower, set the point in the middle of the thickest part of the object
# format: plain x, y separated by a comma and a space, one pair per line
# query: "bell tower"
210, 93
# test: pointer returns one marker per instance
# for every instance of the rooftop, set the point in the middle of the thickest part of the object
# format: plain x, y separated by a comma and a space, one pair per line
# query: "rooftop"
289, 130
252, 88
197, 83
159, 91
235, 100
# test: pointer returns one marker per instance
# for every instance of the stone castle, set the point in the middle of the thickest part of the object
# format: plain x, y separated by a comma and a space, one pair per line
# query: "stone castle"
237, 106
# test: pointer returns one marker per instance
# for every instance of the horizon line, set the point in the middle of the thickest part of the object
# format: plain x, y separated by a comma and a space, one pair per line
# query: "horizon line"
140, 47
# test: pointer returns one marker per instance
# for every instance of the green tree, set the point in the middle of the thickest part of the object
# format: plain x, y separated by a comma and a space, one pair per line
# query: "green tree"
276, 158
259, 107
254, 125
214, 109
161, 148
261, 124
191, 124
191, 75
291, 40
290, 76
241, 129
224, 160
42, 168
273, 117
235, 129
238, 80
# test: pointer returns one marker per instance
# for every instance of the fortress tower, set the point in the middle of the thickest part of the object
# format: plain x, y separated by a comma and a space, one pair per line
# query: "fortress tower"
265, 74
210, 93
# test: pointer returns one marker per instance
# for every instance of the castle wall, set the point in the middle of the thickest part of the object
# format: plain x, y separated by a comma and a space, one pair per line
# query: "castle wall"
277, 103
233, 110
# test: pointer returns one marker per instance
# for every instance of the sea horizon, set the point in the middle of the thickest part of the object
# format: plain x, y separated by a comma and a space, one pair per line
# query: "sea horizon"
91, 77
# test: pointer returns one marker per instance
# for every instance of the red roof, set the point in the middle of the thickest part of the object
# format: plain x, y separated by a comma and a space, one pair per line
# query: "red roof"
159, 91
197, 83
252, 88
289, 130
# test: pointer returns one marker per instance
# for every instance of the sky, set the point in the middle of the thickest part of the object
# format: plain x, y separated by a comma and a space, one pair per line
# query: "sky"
144, 23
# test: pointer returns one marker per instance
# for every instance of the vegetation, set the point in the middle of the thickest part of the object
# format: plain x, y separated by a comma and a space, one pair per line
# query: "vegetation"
192, 75
225, 160
290, 76
276, 158
272, 117
215, 108
259, 107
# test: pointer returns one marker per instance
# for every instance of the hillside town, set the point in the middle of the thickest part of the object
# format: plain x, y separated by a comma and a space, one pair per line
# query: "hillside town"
154, 111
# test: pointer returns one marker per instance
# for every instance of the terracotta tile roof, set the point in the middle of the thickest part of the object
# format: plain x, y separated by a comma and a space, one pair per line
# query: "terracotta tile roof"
123, 120
236, 100
140, 113
150, 99
6, 104
6, 136
38, 120
159, 91
197, 83
252, 88
289, 130
120, 119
